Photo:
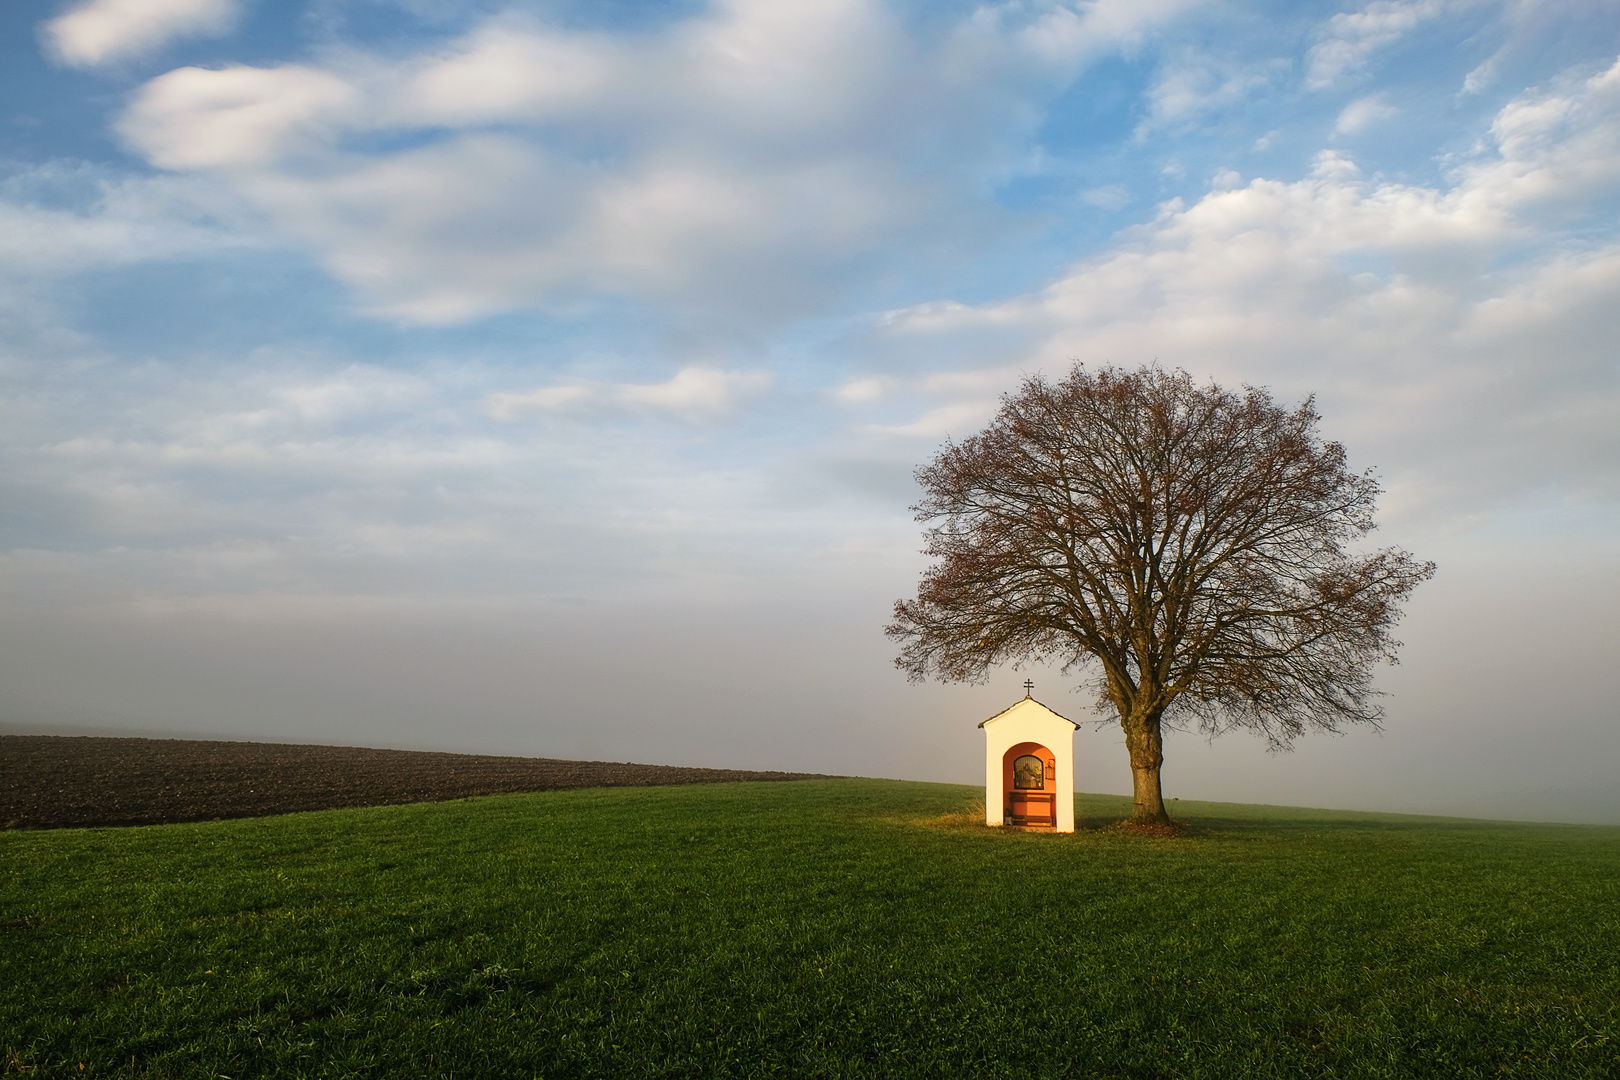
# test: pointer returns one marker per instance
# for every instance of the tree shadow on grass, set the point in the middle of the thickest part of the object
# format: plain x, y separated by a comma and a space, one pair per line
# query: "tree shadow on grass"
972, 818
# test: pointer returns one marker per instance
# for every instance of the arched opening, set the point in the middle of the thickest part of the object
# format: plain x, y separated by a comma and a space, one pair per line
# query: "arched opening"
1030, 772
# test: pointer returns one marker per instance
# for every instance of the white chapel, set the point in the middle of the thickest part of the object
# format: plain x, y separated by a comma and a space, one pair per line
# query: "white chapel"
1029, 768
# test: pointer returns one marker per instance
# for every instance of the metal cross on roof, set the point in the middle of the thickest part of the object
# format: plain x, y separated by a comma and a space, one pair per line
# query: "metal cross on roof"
1029, 687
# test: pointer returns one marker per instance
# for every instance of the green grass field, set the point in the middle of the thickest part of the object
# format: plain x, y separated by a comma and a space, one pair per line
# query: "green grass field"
818, 928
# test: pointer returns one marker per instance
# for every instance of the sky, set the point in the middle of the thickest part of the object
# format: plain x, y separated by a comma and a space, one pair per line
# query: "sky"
547, 378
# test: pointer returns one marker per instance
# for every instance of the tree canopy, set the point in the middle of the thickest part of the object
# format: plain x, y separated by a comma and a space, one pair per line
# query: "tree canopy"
1184, 543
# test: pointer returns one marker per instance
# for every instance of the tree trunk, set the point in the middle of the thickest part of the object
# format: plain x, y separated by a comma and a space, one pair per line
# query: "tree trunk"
1142, 739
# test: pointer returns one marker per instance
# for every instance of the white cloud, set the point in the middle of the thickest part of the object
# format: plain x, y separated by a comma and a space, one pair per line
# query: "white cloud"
857, 391
1530, 28
103, 31
1330, 165
234, 117
1363, 113
1195, 84
39, 240
695, 391
1483, 74
1557, 148
1067, 31
1351, 37
117, 221
510, 405
510, 69
699, 394
956, 420
755, 159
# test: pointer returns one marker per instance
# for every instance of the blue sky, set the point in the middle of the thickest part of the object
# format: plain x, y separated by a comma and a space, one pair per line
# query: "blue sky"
547, 378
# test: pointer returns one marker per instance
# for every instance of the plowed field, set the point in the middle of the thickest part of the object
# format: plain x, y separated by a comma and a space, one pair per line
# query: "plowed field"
55, 781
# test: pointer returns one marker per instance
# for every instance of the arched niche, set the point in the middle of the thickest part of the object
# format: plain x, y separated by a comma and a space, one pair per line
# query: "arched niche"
1029, 778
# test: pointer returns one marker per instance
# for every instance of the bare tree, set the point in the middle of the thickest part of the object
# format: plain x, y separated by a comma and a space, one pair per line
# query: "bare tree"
1184, 541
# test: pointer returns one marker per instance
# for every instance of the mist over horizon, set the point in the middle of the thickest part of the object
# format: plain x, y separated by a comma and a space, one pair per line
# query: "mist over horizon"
546, 378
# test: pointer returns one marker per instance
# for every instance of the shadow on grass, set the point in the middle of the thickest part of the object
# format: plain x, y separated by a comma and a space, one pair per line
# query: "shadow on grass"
971, 818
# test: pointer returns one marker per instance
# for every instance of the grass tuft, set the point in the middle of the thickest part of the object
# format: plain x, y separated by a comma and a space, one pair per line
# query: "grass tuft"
970, 818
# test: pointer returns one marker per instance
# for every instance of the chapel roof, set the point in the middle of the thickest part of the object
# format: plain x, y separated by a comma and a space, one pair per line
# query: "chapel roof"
1016, 704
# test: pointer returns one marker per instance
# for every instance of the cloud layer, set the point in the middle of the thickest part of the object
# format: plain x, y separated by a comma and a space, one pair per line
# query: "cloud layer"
1436, 321
758, 158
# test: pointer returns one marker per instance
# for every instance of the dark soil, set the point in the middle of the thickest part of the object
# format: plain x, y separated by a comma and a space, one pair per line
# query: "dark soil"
56, 781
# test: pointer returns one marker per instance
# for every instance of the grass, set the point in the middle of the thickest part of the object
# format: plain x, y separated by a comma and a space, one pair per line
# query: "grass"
823, 928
